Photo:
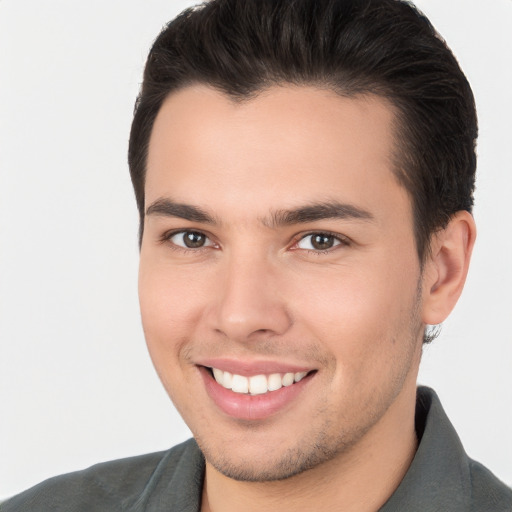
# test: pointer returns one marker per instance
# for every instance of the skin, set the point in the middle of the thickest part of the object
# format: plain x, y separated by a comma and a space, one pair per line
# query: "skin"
259, 290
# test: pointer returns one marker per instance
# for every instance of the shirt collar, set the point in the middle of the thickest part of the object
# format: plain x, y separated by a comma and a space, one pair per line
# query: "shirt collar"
439, 476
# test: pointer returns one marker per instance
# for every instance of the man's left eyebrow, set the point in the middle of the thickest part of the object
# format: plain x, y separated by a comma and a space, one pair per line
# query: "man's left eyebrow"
318, 211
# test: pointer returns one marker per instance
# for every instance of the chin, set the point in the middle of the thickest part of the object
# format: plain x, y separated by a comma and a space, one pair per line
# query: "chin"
268, 466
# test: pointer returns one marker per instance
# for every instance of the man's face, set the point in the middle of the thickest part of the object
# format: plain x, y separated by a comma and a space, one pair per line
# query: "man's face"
279, 246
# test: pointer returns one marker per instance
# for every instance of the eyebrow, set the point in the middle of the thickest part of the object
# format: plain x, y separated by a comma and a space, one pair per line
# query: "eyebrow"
310, 213
168, 208
318, 211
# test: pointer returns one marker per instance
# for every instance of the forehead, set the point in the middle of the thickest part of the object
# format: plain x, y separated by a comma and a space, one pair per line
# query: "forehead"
287, 145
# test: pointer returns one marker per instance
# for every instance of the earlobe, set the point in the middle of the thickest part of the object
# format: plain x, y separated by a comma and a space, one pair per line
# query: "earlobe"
447, 267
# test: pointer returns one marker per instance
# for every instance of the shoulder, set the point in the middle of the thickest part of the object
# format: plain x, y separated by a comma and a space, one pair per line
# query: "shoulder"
487, 492
441, 475
114, 485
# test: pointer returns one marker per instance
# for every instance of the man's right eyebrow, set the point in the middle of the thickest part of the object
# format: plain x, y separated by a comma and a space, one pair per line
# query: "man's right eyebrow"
168, 208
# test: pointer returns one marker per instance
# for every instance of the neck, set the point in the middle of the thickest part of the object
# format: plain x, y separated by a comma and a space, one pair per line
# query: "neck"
361, 480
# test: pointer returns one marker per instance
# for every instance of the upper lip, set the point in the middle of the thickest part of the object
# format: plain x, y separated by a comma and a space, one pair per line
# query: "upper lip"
249, 368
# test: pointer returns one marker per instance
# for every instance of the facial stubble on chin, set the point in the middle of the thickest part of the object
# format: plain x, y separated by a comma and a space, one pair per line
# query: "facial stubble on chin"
321, 446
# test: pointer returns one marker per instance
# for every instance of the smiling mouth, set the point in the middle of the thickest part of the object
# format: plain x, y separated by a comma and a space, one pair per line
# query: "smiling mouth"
256, 384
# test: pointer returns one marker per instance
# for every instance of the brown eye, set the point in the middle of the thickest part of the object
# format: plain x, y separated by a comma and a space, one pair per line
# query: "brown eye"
322, 242
193, 240
190, 239
318, 242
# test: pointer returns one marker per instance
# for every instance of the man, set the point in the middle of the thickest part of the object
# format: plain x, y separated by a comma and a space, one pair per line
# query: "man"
304, 172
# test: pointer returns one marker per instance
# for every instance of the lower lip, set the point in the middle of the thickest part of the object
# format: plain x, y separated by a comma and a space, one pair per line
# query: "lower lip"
251, 407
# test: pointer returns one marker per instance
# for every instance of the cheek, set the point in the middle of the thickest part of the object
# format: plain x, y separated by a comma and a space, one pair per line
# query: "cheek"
363, 317
170, 303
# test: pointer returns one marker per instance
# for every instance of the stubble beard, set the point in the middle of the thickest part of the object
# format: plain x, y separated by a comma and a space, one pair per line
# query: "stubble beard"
326, 442
292, 462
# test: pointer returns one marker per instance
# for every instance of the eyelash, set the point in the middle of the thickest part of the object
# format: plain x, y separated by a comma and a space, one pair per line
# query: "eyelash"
342, 241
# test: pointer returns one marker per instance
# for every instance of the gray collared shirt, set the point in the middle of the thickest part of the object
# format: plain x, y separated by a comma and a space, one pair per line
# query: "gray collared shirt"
441, 478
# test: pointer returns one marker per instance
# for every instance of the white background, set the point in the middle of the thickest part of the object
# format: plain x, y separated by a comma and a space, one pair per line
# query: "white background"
76, 384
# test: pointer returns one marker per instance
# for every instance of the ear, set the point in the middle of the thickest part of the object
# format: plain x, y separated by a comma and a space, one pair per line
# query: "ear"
447, 267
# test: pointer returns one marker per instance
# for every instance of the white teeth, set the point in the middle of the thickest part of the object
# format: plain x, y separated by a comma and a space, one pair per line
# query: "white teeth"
275, 382
240, 384
219, 375
288, 379
299, 376
227, 380
257, 384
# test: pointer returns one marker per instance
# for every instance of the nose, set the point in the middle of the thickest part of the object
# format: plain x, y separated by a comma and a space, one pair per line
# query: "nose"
250, 303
